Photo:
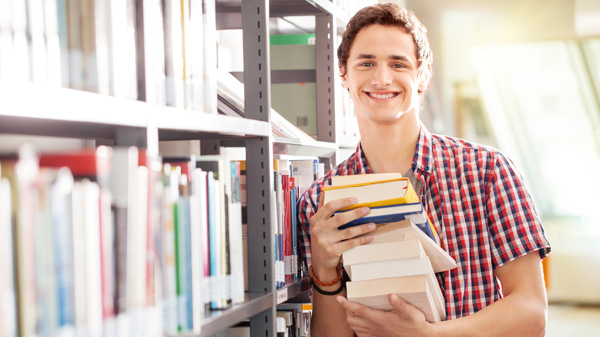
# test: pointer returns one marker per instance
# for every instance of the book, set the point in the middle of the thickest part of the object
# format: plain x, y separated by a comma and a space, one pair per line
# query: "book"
400, 268
173, 42
413, 289
60, 213
385, 214
406, 230
169, 192
375, 193
362, 178
401, 249
8, 292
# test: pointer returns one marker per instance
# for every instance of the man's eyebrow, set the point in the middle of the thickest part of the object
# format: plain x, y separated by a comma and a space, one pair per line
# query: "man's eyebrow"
398, 58
365, 56
391, 57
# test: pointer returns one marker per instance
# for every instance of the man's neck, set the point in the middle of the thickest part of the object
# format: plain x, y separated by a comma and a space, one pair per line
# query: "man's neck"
391, 147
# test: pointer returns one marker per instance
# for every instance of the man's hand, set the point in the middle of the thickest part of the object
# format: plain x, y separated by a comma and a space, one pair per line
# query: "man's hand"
403, 320
327, 242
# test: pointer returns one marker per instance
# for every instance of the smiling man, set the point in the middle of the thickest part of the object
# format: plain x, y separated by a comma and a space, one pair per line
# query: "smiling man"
474, 195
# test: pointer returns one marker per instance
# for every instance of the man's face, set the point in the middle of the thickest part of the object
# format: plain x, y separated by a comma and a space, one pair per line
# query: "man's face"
381, 74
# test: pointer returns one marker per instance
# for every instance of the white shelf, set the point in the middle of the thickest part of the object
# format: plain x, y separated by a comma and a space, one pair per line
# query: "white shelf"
302, 148
29, 108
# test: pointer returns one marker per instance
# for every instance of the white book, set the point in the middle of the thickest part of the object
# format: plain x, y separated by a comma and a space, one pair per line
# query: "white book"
401, 249
413, 289
91, 224
8, 303
235, 233
53, 49
196, 262
21, 65
174, 80
75, 38
26, 170
101, 12
406, 230
122, 48
195, 46
137, 236
154, 52
204, 237
63, 41
45, 257
362, 178
187, 54
79, 260
6, 40
210, 56
400, 268
37, 47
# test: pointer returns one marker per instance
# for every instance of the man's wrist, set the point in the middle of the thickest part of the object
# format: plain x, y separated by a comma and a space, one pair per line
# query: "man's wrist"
328, 279
326, 274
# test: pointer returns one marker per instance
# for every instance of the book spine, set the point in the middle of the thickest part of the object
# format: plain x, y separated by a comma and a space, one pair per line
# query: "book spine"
8, 310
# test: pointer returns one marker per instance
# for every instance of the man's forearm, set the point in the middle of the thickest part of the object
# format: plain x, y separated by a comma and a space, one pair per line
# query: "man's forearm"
514, 315
328, 318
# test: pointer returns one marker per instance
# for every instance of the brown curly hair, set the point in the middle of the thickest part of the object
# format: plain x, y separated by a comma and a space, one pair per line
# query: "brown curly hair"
388, 14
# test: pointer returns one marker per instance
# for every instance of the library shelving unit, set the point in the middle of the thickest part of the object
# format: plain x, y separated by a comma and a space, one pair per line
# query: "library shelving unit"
252, 16
39, 110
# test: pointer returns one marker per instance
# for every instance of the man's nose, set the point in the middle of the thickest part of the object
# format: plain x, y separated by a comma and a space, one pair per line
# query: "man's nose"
382, 76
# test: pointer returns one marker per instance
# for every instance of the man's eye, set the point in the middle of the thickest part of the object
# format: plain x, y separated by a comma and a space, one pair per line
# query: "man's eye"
398, 65
366, 64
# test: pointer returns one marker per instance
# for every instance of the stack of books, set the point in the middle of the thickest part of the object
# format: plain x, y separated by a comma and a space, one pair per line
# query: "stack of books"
404, 254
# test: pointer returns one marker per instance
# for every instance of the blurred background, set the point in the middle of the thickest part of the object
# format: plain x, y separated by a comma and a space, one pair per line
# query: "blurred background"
522, 76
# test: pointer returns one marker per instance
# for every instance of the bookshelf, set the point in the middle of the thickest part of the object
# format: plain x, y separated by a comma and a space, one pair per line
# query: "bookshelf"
37, 109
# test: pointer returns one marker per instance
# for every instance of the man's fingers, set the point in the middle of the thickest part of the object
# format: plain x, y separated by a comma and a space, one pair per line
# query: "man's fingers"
327, 210
403, 308
354, 236
354, 308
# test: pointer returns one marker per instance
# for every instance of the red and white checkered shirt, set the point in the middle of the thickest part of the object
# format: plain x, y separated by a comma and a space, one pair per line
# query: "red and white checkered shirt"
478, 203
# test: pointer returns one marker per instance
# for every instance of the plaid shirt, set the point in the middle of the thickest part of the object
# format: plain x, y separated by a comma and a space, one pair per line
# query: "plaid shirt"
478, 203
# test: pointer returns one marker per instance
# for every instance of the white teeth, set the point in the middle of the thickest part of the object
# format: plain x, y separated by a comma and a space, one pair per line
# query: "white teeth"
386, 96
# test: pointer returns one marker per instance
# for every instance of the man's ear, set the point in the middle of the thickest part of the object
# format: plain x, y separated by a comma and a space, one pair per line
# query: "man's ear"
344, 77
424, 78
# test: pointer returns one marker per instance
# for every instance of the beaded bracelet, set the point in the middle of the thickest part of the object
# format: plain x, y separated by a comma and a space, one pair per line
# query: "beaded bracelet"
328, 293
325, 284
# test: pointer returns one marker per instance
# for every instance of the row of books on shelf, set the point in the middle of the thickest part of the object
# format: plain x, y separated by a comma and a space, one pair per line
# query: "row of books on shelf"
291, 178
162, 52
404, 253
112, 241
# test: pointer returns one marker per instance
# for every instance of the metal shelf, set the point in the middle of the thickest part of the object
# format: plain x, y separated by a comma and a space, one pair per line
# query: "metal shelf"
216, 321
294, 290
229, 11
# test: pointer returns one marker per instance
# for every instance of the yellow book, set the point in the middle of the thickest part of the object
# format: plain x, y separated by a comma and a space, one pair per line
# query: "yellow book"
374, 194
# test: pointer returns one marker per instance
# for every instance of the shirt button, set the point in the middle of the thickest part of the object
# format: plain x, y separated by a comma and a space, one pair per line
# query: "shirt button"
426, 167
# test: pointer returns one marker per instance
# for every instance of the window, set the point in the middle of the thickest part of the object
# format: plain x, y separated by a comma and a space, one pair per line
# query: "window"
543, 100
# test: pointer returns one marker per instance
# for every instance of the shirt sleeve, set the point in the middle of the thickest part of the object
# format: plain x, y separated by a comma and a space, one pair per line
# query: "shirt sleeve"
515, 226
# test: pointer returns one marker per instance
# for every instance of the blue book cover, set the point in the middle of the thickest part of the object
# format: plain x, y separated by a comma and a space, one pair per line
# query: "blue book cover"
186, 224
385, 214
63, 250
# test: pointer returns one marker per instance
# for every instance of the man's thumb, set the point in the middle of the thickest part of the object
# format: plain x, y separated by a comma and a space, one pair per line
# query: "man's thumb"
398, 304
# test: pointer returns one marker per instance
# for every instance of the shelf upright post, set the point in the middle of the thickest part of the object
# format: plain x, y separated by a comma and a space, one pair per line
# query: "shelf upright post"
259, 161
324, 59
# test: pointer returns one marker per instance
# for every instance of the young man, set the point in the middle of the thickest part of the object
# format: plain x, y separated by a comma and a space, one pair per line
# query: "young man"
473, 194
